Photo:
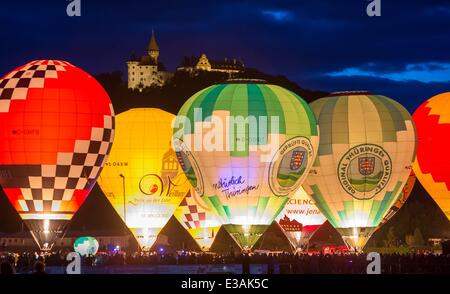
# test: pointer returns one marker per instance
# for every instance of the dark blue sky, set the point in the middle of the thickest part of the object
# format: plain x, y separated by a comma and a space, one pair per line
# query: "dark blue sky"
325, 45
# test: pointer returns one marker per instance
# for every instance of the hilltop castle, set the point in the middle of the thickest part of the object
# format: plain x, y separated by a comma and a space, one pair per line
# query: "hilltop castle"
147, 71
195, 64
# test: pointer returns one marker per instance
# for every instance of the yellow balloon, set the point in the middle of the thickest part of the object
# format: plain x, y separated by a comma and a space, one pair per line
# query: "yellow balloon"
142, 178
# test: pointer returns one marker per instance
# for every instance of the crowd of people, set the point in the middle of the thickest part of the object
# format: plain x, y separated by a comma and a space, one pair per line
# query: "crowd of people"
26, 262
284, 263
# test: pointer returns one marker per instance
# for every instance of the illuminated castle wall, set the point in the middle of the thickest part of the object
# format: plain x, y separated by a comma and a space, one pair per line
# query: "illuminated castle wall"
146, 71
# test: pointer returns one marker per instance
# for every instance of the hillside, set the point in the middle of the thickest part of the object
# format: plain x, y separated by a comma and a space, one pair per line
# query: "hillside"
171, 96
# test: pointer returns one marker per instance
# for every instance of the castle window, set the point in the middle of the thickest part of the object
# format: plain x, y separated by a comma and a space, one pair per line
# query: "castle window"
142, 73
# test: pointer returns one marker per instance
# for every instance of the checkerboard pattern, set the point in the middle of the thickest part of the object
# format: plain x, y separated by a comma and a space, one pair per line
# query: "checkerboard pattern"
76, 170
15, 85
192, 218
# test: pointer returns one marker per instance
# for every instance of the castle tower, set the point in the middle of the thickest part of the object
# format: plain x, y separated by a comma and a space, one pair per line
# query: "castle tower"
153, 49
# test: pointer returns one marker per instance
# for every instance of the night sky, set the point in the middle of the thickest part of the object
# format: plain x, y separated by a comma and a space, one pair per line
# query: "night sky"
323, 45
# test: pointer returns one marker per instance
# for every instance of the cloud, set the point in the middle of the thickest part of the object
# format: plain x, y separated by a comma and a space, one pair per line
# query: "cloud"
427, 72
409, 93
277, 15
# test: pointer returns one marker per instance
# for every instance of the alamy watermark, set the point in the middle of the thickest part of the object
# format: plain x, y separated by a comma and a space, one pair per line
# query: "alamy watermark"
214, 133
74, 266
374, 8
73, 8
374, 266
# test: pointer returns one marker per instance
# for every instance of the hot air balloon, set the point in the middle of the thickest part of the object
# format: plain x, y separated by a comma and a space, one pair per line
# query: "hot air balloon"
198, 219
246, 148
300, 219
367, 147
56, 130
86, 246
432, 164
404, 195
142, 178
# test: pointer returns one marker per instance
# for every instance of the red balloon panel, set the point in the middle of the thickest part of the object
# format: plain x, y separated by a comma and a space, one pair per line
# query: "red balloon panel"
433, 149
56, 129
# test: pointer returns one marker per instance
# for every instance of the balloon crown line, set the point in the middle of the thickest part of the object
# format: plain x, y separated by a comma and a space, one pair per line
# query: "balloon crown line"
347, 93
245, 81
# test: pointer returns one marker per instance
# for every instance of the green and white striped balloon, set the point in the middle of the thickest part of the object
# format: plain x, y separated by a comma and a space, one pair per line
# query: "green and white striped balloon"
246, 172
367, 147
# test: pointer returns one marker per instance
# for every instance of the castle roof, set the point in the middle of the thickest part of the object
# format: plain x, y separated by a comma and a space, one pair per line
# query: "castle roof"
152, 45
133, 57
147, 60
191, 61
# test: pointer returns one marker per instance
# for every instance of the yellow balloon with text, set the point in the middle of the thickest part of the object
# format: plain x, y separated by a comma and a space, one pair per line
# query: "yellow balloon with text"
142, 178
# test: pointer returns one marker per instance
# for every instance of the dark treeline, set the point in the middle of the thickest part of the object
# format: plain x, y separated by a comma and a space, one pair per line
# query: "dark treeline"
172, 95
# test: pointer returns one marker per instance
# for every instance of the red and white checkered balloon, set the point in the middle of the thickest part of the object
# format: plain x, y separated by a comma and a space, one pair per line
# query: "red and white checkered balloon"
56, 131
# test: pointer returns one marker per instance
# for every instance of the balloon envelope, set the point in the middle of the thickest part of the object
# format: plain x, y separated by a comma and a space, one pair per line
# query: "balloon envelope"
86, 246
367, 146
56, 130
404, 195
300, 219
246, 148
198, 219
432, 164
142, 178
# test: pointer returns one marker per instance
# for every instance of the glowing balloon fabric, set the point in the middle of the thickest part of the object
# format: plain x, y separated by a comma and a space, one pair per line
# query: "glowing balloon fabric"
56, 130
367, 146
86, 246
142, 178
404, 195
198, 219
432, 165
300, 219
246, 148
